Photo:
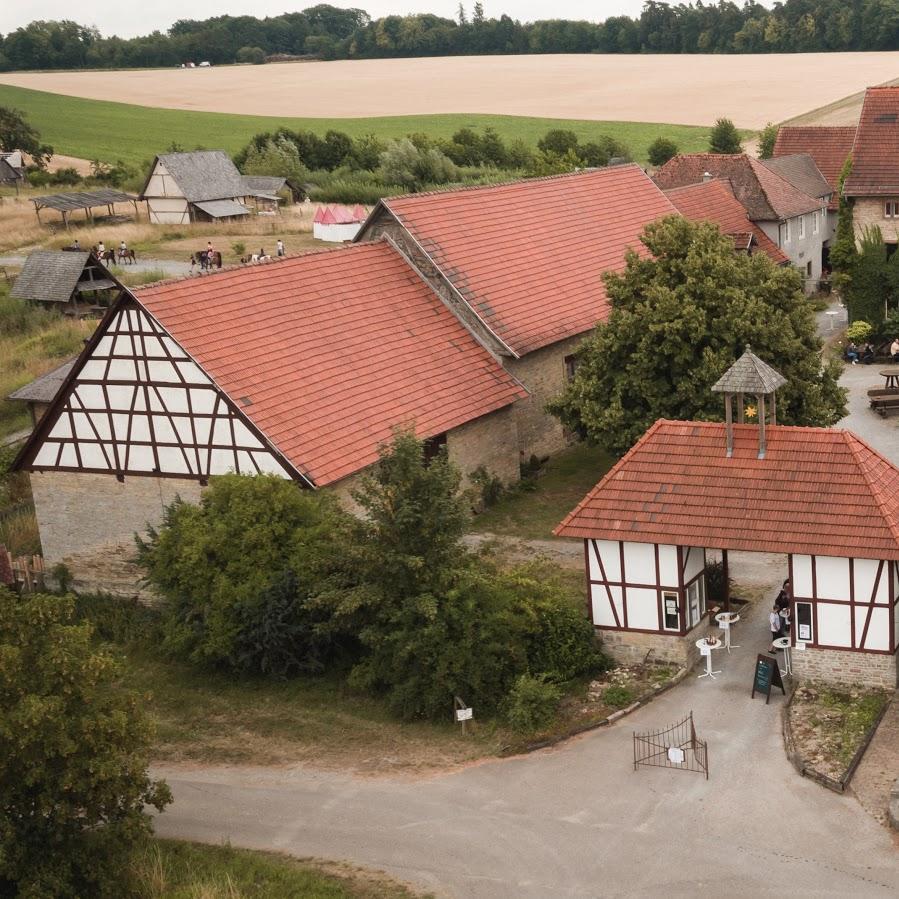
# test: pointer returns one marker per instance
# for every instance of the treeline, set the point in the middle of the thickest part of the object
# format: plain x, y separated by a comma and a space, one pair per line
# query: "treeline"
325, 32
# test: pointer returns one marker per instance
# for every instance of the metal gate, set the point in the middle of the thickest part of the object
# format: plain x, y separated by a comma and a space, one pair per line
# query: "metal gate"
674, 747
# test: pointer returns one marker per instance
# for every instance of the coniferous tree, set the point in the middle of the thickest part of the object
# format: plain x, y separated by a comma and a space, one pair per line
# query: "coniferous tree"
724, 138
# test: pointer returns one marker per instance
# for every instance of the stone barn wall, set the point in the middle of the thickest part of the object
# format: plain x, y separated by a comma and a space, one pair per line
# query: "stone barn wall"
846, 668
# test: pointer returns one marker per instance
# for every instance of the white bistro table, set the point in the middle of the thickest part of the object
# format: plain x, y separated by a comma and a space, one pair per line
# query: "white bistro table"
725, 620
706, 648
784, 644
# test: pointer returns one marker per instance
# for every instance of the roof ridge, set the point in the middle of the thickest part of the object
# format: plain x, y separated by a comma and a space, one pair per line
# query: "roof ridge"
854, 442
275, 260
646, 435
466, 188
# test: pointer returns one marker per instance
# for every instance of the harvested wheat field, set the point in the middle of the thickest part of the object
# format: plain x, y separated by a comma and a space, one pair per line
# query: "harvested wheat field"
689, 90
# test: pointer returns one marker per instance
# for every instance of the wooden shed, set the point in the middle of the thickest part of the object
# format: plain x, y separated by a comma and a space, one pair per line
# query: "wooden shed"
76, 282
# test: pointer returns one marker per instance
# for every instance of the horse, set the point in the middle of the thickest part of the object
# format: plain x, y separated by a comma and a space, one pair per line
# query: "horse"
127, 255
206, 260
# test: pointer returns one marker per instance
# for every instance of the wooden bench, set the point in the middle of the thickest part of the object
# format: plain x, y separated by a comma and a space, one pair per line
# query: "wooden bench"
884, 404
883, 391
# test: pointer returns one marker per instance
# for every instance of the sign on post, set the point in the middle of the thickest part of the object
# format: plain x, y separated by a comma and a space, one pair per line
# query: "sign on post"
766, 675
462, 712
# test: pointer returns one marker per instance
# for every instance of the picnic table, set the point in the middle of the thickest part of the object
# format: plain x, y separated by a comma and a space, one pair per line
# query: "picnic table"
891, 377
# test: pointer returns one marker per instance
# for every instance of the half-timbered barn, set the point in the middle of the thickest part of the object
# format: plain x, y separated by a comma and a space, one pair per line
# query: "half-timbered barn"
74, 281
300, 369
521, 265
821, 496
201, 186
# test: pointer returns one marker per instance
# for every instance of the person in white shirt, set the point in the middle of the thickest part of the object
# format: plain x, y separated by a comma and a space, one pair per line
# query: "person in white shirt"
280, 247
775, 623
894, 350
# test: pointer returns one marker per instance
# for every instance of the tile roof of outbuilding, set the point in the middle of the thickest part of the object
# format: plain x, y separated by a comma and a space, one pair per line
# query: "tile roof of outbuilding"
828, 145
765, 194
875, 152
327, 352
802, 172
714, 201
202, 175
528, 256
50, 276
818, 491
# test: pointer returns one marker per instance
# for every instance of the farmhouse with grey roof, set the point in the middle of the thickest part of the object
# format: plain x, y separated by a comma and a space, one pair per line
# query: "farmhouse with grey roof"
74, 280
200, 186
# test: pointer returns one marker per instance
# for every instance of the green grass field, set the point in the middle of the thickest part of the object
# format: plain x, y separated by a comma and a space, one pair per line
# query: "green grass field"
99, 129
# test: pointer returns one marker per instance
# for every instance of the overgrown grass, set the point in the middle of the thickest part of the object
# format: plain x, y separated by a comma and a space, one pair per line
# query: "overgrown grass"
171, 869
534, 507
100, 129
32, 341
19, 532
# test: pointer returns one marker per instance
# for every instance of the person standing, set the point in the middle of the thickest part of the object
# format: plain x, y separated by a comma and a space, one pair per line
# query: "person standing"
894, 349
101, 249
76, 245
775, 624
280, 247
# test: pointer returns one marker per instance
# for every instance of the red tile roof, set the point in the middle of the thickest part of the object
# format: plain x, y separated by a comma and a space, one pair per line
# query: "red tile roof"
875, 152
333, 349
714, 201
528, 256
829, 146
766, 195
817, 491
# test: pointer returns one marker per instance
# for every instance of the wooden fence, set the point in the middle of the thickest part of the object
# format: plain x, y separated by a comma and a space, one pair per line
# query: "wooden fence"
24, 574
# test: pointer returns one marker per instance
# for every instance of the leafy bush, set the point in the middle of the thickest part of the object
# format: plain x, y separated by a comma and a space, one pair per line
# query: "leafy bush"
252, 55
617, 696
859, 331
889, 328
404, 163
724, 138
215, 564
115, 619
66, 177
532, 703
661, 150
73, 757
489, 486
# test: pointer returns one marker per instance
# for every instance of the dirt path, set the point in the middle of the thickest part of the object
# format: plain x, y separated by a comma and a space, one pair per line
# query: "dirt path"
689, 90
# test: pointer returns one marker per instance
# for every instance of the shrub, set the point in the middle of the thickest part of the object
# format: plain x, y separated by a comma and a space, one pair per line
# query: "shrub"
767, 140
661, 150
889, 328
114, 619
724, 137
489, 486
238, 248
532, 703
563, 644
859, 331
73, 757
618, 697
558, 141
253, 55
214, 564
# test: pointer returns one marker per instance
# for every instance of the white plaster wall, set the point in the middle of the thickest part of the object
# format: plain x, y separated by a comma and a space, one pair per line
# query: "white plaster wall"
865, 575
802, 576
832, 577
834, 626
694, 562
639, 563
668, 566
608, 551
642, 608
168, 211
878, 636
602, 610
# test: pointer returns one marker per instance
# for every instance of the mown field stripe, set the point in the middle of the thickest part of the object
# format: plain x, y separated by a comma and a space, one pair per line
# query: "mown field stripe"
109, 131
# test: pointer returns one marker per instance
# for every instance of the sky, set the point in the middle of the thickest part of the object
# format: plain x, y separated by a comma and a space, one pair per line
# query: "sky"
130, 18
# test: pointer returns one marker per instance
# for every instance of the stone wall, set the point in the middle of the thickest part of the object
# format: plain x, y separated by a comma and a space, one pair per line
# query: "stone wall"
851, 669
88, 523
543, 374
490, 441
870, 212
631, 647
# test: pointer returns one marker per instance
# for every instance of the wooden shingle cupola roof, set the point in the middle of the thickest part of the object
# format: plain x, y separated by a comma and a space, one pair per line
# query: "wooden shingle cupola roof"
751, 375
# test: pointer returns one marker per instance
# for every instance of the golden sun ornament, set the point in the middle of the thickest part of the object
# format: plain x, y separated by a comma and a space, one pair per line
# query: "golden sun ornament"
751, 411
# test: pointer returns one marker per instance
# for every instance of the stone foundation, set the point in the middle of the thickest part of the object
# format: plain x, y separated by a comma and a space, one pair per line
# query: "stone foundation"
851, 669
631, 647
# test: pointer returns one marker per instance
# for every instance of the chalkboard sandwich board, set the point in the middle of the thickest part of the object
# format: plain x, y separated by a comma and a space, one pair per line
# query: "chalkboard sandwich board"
766, 675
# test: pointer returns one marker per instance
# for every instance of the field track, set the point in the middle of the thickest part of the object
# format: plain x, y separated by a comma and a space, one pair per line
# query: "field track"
689, 90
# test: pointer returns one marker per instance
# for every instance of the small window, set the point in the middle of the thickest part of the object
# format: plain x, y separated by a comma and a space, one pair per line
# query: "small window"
804, 632
694, 604
815, 224
785, 233
571, 364
671, 610
891, 209
808, 269
801, 227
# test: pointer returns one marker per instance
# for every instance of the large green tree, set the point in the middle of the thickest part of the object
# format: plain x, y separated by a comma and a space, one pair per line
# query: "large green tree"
73, 757
679, 317
724, 137
767, 140
17, 134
